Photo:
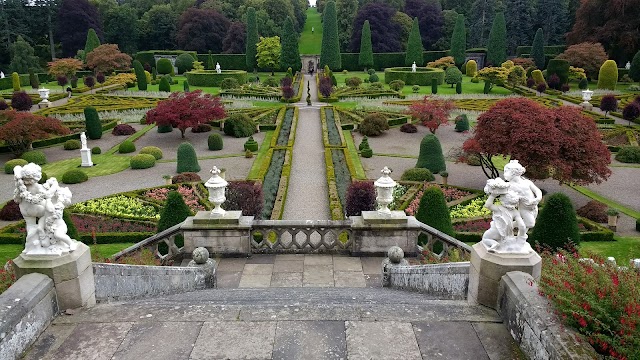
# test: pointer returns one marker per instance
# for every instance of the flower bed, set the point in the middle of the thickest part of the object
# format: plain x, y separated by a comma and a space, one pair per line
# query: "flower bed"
118, 206
477, 104
453, 195
191, 196
98, 224
76, 105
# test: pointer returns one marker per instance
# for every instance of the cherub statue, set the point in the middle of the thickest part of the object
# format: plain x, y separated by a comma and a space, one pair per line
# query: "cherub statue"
53, 230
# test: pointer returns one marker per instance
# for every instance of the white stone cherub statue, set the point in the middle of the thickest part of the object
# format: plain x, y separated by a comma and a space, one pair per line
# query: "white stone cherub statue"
218, 69
53, 230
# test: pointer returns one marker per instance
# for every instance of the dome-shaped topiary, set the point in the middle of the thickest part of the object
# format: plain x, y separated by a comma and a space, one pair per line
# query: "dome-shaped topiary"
629, 154
396, 85
184, 63
608, 75
72, 144
92, 123
155, 151
187, 159
361, 196
239, 125
471, 68
408, 128
163, 66
215, 142
74, 176
142, 161
123, 129
373, 125
96, 150
251, 144
538, 77
462, 123
431, 156
433, 211
165, 84
21, 101
35, 156
165, 129
417, 174
173, 213
9, 165
126, 147
556, 224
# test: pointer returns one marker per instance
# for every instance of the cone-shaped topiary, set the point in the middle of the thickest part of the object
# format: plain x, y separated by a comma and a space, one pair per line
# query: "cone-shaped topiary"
33, 80
366, 153
459, 87
185, 85
459, 41
537, 49
472, 68
251, 144
361, 196
365, 58
141, 77
173, 213
164, 84
93, 41
414, 46
556, 224
72, 231
433, 210
430, 156
252, 41
15, 81
215, 142
92, 123
608, 75
330, 49
497, 45
187, 159
364, 144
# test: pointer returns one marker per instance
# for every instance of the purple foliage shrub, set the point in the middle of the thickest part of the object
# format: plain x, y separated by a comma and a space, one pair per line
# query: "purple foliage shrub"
326, 86
89, 81
3, 105
62, 80
123, 129
21, 101
608, 103
409, 128
246, 196
11, 212
542, 87
100, 78
361, 196
287, 92
531, 83
554, 82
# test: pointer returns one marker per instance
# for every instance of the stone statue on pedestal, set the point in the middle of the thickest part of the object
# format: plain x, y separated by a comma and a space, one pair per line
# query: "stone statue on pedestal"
83, 140
413, 67
218, 69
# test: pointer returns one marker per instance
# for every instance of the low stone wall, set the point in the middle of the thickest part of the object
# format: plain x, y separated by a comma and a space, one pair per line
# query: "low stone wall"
446, 281
26, 309
118, 282
532, 323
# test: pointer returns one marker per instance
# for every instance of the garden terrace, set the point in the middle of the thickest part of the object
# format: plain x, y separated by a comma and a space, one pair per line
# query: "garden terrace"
77, 104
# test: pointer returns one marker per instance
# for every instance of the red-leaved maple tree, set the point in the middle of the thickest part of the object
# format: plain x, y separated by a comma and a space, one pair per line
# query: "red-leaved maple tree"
431, 112
560, 143
185, 110
23, 128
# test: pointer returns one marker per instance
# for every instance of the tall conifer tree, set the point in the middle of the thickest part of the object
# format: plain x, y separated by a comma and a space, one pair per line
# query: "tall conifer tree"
520, 19
414, 46
252, 39
459, 41
290, 54
553, 16
92, 42
497, 45
482, 13
346, 11
366, 50
537, 49
330, 51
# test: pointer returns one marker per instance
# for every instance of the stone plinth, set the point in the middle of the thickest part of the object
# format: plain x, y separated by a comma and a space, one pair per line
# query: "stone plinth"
85, 154
373, 234
488, 268
72, 275
228, 235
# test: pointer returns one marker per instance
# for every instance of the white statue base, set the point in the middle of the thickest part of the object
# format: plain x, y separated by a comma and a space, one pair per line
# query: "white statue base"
510, 245
85, 154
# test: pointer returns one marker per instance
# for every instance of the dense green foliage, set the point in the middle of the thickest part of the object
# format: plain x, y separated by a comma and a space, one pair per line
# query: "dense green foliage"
173, 212
537, 49
634, 72
452, 75
290, 54
459, 41
417, 174
142, 161
422, 76
92, 42
251, 144
414, 46
141, 77
184, 63
361, 196
214, 142
187, 159
558, 67
9, 165
92, 123
72, 144
22, 57
164, 67
15, 81
433, 210
556, 224
431, 156
497, 45
72, 231
164, 84
608, 75
373, 125
252, 39
126, 147
629, 154
472, 68
462, 123
35, 156
155, 151
74, 176
239, 125
330, 52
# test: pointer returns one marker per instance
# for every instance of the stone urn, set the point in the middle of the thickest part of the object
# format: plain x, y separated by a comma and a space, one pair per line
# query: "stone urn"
44, 95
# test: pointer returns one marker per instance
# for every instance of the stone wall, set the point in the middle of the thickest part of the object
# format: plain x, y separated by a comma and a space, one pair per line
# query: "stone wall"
26, 309
530, 320
445, 281
119, 282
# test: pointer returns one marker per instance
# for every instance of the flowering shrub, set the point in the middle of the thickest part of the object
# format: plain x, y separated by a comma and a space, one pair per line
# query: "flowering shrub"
189, 195
480, 225
90, 223
118, 206
450, 194
7, 278
473, 209
599, 300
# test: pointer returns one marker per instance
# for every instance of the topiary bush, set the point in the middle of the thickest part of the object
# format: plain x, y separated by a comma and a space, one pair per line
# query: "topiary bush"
186, 177
96, 150
558, 67
92, 123
373, 125
74, 176
372, 78
123, 129
452, 75
184, 63
415, 89
72, 144
21, 101
9, 165
15, 81
361, 196
431, 156
366, 153
408, 128
459, 87
251, 144
142, 161
126, 147
165, 84
35, 156
164, 128
10, 211
417, 174
608, 75
556, 224
594, 211
187, 159
229, 83
554, 82
353, 82
538, 77
433, 211
153, 151
462, 123
396, 85
201, 128
174, 211
629, 154
215, 142
239, 125
246, 196
163, 67
472, 68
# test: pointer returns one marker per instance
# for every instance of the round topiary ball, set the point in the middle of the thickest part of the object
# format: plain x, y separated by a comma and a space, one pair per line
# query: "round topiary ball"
9, 165
215, 142
417, 174
184, 63
35, 156
163, 66
126, 147
96, 150
462, 123
373, 125
239, 125
74, 176
142, 161
72, 144
152, 150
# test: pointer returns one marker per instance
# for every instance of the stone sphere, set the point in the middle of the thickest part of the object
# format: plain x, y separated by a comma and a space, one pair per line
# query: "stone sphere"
395, 254
200, 255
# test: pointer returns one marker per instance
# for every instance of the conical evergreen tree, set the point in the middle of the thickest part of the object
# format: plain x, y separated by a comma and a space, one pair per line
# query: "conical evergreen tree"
520, 20
141, 77
414, 46
634, 72
556, 224
92, 42
482, 12
187, 159
537, 49
553, 17
366, 50
497, 45
431, 156
252, 40
173, 213
289, 54
330, 50
459, 41
433, 210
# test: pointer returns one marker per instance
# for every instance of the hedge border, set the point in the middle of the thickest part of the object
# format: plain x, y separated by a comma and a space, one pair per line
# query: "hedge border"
212, 78
422, 78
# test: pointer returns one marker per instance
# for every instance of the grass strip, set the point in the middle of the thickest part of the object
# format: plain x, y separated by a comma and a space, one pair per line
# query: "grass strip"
623, 248
355, 158
610, 203
102, 165
209, 157
132, 138
261, 156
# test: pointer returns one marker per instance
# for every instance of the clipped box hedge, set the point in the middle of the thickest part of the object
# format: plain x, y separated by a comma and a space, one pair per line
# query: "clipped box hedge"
213, 79
422, 76
114, 237
385, 60
149, 55
7, 84
524, 51
226, 61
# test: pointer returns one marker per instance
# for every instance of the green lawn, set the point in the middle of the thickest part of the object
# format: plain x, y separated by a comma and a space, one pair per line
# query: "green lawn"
11, 251
623, 249
311, 43
103, 165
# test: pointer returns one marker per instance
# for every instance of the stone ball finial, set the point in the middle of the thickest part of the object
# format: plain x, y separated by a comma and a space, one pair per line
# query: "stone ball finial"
395, 254
200, 255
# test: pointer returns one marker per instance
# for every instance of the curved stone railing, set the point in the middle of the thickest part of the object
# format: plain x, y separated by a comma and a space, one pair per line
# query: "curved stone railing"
167, 236
448, 242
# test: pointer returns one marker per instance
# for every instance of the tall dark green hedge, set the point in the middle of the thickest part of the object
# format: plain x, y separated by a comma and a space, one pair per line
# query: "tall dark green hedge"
252, 40
537, 49
459, 42
164, 84
187, 159
414, 46
141, 77
72, 231
433, 210
497, 45
92, 123
634, 72
290, 54
365, 58
556, 224
330, 50
559, 67
431, 156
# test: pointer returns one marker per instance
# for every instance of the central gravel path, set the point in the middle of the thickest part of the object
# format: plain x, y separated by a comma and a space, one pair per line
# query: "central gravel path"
307, 196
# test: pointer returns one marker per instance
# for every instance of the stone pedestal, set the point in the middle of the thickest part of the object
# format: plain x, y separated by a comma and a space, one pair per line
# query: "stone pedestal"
586, 105
488, 268
374, 233
86, 158
72, 275
227, 235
